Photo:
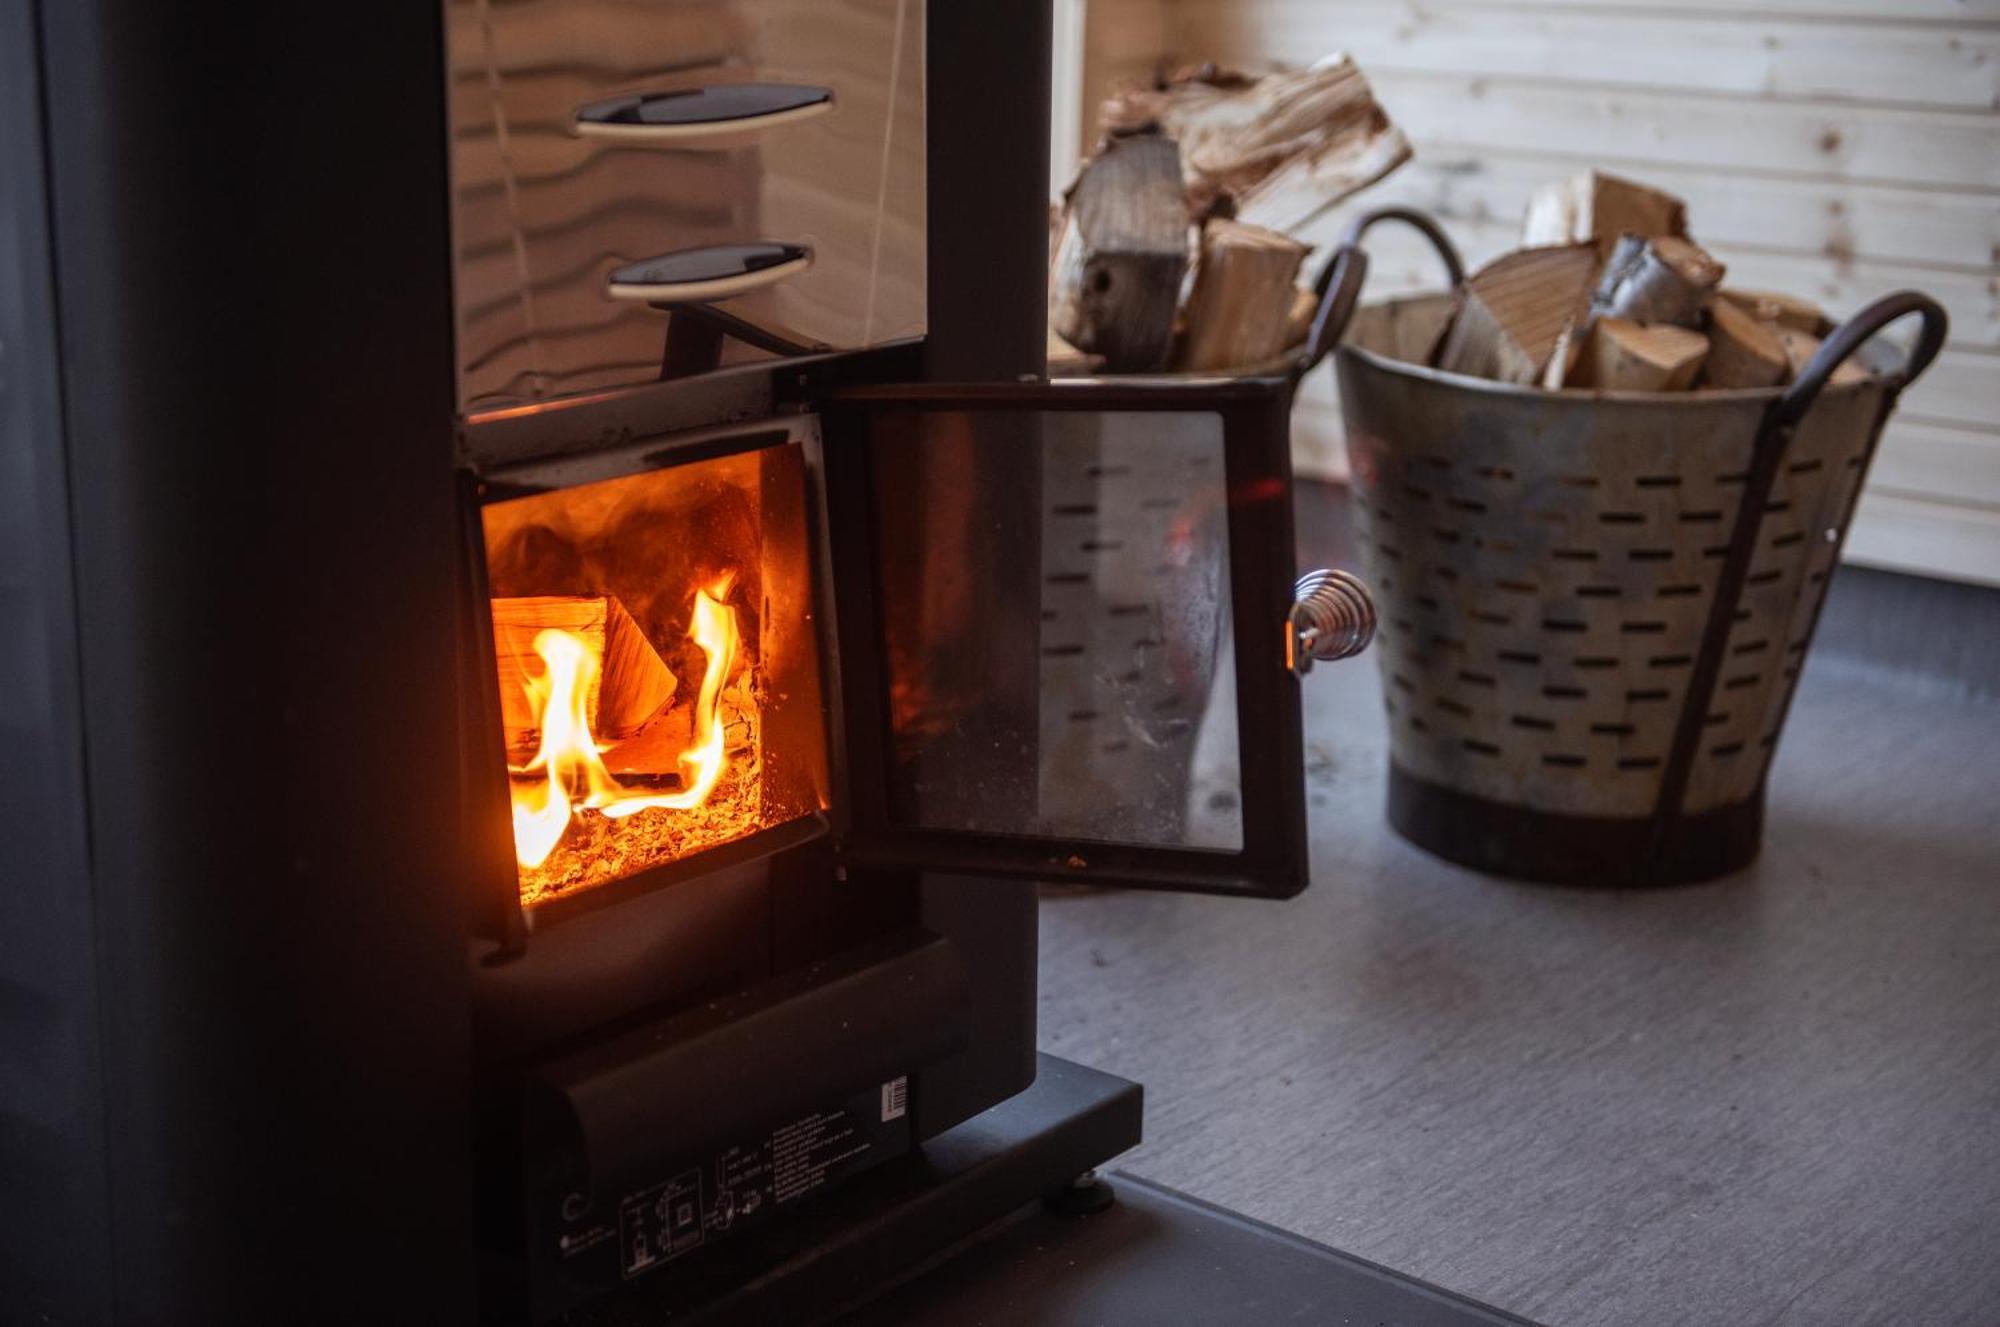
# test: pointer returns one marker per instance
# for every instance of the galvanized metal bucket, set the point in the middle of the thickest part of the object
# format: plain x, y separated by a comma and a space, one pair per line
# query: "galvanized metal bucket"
1594, 605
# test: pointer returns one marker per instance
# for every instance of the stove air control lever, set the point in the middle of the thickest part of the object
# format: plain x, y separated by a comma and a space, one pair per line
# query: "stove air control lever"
1332, 617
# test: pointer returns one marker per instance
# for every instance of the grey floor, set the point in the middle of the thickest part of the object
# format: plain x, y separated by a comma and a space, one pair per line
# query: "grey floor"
1773, 1099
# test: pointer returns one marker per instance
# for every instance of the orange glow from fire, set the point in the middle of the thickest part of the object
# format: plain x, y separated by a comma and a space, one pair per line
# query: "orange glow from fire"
567, 778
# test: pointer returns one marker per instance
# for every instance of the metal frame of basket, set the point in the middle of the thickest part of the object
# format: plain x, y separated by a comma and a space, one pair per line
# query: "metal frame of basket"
1595, 605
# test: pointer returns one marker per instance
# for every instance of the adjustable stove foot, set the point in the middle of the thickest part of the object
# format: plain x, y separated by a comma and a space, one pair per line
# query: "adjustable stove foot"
1086, 1195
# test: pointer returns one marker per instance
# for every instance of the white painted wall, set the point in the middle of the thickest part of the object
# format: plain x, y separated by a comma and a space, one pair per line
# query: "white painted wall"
1837, 149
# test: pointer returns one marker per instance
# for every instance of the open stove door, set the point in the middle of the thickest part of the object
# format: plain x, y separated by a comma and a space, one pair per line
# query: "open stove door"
1063, 631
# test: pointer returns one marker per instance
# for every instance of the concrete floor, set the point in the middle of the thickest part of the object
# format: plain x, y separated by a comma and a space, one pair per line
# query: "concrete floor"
1773, 1099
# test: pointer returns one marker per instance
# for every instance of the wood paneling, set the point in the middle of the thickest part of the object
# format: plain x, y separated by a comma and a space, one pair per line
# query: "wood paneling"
1886, 144
1836, 149
1915, 65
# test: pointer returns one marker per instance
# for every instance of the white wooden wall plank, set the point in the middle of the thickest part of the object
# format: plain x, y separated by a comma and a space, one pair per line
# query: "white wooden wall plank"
1962, 387
1761, 55
1904, 11
1879, 144
1927, 537
1939, 461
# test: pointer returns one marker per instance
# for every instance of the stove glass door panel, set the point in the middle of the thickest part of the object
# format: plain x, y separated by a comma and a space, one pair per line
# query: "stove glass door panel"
1064, 632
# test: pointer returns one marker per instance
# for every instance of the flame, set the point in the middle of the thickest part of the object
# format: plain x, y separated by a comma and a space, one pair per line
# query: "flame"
574, 778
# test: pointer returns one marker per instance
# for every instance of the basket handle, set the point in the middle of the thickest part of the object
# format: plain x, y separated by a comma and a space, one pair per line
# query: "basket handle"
1339, 284
1851, 335
1774, 439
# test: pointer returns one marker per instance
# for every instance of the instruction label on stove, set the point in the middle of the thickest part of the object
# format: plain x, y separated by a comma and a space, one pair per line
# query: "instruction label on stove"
740, 1186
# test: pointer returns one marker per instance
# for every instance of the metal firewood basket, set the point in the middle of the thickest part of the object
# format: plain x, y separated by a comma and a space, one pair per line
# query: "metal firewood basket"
1595, 605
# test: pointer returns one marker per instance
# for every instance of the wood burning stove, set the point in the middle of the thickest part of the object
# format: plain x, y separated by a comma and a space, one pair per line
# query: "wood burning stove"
520, 832
761, 695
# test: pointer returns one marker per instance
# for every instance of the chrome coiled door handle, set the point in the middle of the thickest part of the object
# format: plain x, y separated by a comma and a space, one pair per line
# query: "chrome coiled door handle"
1332, 617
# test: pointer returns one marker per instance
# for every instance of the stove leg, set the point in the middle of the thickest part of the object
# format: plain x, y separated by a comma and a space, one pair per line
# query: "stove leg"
1086, 1195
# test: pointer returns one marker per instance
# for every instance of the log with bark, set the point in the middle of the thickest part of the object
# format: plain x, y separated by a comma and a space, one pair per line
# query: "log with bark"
1244, 296
1275, 150
1121, 254
1659, 280
1517, 313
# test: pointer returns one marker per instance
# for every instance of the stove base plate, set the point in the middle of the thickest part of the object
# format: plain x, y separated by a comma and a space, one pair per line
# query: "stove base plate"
848, 1246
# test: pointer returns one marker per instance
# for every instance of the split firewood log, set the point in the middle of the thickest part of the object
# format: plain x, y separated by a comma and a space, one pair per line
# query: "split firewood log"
1742, 352
1406, 330
1121, 254
1786, 311
1517, 312
1299, 318
633, 683
1244, 290
1599, 208
1661, 280
1800, 347
1623, 356
1274, 150
1066, 361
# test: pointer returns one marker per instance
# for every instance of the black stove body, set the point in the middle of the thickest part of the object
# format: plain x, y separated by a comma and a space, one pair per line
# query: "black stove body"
293, 1030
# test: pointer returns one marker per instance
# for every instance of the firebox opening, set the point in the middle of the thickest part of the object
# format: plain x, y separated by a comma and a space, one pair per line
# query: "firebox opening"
658, 669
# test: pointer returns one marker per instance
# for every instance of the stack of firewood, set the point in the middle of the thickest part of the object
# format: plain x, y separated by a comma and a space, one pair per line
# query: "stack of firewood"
1212, 171
1611, 294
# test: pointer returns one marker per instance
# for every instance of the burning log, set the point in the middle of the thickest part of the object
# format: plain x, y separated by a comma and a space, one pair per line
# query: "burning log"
1274, 151
1244, 296
633, 685
1121, 254
1663, 280
1599, 208
1516, 313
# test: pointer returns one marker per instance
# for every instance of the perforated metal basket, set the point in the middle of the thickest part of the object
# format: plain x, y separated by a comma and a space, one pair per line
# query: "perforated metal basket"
1595, 605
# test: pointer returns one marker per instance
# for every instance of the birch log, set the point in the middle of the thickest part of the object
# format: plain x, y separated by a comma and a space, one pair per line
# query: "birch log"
1662, 280
1121, 254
